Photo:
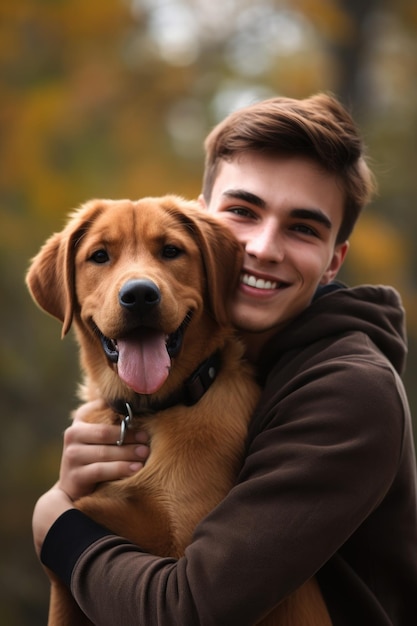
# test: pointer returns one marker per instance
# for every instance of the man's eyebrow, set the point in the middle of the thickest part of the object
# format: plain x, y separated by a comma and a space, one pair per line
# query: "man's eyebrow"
246, 196
312, 214
315, 215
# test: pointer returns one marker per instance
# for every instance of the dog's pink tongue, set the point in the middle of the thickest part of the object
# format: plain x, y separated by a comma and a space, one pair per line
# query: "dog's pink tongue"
143, 362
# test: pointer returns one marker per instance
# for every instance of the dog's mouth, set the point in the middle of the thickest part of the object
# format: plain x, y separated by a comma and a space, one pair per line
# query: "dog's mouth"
143, 356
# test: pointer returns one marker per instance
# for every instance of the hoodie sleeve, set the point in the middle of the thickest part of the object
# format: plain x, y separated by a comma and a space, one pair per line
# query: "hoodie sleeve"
324, 451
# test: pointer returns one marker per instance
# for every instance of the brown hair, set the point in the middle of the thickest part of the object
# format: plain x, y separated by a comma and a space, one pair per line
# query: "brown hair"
318, 127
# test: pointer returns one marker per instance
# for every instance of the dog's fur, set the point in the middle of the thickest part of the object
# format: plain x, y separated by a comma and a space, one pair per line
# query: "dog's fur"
92, 274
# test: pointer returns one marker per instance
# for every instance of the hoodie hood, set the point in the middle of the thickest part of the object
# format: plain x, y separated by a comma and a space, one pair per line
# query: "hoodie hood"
374, 310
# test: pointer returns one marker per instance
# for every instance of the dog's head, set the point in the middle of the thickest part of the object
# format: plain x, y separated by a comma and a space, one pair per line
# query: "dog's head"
135, 277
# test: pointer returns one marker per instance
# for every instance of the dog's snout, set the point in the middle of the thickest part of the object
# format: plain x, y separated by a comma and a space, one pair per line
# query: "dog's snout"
139, 296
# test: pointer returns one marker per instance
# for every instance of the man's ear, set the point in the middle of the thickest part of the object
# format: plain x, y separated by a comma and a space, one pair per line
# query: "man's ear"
202, 202
339, 255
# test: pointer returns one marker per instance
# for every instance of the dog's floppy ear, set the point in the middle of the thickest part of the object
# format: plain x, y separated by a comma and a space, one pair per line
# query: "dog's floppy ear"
223, 260
222, 257
51, 275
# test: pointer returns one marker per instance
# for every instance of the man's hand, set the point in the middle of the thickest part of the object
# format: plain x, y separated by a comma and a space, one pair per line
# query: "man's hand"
90, 454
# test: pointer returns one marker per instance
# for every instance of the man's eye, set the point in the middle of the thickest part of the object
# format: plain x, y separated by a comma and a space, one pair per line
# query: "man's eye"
305, 229
171, 252
99, 256
240, 210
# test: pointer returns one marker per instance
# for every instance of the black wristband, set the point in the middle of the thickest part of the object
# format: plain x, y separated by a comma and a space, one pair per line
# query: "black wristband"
70, 535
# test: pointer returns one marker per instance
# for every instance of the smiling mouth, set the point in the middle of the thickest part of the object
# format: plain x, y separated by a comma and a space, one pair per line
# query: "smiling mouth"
260, 283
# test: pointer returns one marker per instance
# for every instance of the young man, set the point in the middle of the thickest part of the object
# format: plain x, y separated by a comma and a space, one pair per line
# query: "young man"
328, 485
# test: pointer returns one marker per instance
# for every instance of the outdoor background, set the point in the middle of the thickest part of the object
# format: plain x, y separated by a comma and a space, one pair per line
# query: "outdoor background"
112, 98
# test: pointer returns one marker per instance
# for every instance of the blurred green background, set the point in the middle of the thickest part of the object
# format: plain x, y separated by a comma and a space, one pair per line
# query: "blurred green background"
113, 98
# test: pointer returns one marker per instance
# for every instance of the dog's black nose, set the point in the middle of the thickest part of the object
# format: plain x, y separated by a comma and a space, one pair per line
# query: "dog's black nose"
139, 296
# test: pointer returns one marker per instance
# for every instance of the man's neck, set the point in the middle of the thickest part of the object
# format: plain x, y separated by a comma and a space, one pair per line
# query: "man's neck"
254, 342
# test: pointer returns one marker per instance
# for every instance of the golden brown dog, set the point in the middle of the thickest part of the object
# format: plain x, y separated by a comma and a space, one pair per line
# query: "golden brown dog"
145, 284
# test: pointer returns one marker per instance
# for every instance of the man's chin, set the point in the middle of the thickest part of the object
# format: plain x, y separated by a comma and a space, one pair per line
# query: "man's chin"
253, 326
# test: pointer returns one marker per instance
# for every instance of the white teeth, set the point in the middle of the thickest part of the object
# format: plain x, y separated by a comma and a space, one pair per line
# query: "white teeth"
259, 283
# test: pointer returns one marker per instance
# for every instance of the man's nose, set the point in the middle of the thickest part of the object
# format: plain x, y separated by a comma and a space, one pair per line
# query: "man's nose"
266, 244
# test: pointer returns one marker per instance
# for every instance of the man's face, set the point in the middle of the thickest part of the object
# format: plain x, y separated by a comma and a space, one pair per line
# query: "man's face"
286, 212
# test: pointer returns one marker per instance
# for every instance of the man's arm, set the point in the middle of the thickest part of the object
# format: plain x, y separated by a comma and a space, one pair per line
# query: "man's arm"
310, 478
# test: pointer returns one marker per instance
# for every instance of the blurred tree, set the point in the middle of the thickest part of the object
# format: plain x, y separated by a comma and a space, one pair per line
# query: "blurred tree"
114, 99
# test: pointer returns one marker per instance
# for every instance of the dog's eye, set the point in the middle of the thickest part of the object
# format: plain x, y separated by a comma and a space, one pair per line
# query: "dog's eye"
99, 256
171, 252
